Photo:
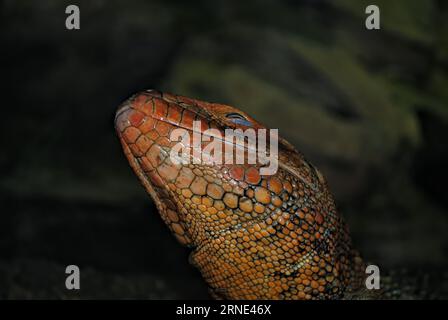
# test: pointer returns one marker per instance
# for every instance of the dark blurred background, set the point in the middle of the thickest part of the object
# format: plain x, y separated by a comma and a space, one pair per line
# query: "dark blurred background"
369, 108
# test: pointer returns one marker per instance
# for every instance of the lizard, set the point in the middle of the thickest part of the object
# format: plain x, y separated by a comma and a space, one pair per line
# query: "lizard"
252, 236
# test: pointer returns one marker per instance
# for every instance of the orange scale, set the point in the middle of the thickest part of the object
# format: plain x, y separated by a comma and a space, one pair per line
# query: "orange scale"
163, 128
231, 200
238, 190
135, 150
315, 269
145, 164
143, 143
152, 135
174, 114
199, 186
275, 185
264, 233
237, 173
259, 208
160, 109
314, 284
153, 155
258, 235
187, 119
222, 215
319, 218
281, 220
207, 201
219, 205
185, 178
156, 179
167, 172
276, 201
250, 193
172, 215
227, 187
262, 195
140, 102
309, 218
288, 186
187, 193
246, 205
135, 118
252, 175
182, 239
215, 191
131, 134
271, 230
186, 100
164, 142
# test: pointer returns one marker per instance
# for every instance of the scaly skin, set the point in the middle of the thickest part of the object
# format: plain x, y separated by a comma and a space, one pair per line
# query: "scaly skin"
252, 236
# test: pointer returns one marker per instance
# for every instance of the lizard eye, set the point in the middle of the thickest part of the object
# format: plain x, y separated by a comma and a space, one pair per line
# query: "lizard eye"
238, 119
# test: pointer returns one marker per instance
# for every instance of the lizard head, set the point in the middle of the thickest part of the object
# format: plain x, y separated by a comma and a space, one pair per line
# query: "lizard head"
145, 124
250, 230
